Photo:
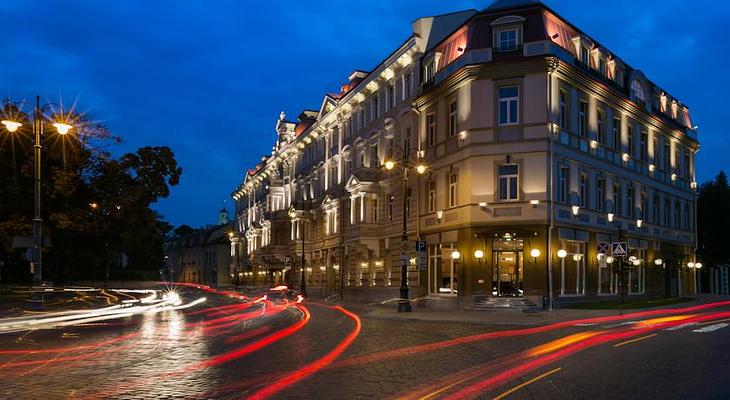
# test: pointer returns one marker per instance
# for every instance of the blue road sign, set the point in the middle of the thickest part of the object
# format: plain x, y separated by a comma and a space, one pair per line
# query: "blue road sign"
421, 245
619, 249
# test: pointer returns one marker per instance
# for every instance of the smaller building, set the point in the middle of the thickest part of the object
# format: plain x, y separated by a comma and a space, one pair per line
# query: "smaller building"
202, 256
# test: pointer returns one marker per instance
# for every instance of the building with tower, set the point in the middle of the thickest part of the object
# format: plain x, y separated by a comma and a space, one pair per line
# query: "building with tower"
542, 149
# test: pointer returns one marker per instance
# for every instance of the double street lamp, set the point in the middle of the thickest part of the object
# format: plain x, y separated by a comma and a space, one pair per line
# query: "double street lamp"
404, 304
62, 126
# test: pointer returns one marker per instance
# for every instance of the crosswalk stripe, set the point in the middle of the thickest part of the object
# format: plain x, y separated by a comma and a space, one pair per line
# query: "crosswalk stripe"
681, 326
710, 328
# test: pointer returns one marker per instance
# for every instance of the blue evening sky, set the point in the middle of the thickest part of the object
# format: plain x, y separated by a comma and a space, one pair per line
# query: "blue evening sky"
209, 78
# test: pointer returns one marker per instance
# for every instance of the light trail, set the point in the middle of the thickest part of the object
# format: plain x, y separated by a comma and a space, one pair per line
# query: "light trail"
311, 368
417, 349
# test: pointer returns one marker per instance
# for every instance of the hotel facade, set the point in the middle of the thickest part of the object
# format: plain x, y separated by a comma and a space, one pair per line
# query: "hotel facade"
541, 148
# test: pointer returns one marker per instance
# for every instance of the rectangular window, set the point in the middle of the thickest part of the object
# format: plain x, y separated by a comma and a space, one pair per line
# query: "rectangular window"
655, 149
507, 40
563, 117
644, 143
583, 118
432, 196
630, 201
602, 66
453, 190
407, 84
584, 58
601, 194
563, 182
630, 137
616, 132
686, 164
583, 185
686, 218
390, 96
453, 118
676, 214
644, 206
667, 155
508, 109
375, 106
431, 129
617, 199
655, 208
374, 214
667, 211
600, 133
429, 71
508, 182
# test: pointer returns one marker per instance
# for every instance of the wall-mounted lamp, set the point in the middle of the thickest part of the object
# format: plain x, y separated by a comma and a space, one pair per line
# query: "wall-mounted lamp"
658, 261
639, 223
535, 253
610, 217
652, 167
609, 260
483, 204
455, 254
674, 177
594, 144
562, 253
439, 214
576, 210
534, 203
626, 157
478, 254
693, 185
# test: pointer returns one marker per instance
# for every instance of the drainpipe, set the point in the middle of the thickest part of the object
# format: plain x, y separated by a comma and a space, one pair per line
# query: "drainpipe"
551, 69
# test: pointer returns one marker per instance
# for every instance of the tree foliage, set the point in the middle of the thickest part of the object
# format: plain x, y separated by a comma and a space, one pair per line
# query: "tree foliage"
713, 219
96, 208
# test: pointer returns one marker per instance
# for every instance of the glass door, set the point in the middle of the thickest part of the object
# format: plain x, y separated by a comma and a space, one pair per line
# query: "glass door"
508, 273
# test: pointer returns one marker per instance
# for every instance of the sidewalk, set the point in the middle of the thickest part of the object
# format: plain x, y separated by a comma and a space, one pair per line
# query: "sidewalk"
502, 317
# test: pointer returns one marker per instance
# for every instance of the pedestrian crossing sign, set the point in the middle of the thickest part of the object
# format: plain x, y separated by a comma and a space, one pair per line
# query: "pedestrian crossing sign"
619, 249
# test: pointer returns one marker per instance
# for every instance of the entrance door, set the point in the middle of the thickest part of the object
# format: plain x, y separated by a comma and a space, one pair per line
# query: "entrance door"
508, 273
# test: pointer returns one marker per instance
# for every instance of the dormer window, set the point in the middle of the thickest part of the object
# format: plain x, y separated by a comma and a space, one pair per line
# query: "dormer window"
508, 39
637, 92
584, 57
508, 33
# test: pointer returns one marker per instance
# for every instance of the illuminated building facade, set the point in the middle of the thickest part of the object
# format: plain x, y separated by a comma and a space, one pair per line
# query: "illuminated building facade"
537, 139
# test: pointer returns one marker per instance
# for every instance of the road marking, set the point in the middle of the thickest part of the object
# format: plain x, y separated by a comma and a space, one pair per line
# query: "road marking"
620, 324
714, 322
710, 328
445, 388
634, 340
681, 326
587, 324
523, 384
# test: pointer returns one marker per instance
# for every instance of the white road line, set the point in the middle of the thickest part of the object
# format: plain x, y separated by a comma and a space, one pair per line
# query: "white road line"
587, 324
710, 328
620, 324
681, 326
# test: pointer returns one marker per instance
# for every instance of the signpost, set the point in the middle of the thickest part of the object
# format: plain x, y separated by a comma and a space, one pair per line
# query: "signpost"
421, 255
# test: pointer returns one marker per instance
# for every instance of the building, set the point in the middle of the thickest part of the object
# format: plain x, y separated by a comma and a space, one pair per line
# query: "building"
203, 256
543, 147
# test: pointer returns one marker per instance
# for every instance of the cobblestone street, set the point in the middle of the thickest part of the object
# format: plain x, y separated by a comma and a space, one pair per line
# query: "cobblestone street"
259, 348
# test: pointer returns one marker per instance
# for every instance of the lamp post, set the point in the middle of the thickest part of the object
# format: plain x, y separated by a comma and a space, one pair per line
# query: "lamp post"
62, 128
404, 304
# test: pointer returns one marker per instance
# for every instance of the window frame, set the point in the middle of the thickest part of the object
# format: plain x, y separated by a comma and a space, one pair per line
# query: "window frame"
509, 178
453, 117
500, 41
507, 102
453, 189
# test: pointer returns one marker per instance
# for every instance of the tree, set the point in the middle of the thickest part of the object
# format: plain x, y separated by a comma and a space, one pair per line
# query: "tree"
712, 220
94, 207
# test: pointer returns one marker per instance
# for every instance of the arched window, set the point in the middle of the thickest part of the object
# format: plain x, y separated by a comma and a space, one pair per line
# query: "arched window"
637, 92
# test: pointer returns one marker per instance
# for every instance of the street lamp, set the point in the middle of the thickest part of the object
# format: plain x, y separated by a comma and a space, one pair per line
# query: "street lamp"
62, 128
478, 254
404, 304
535, 253
562, 253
